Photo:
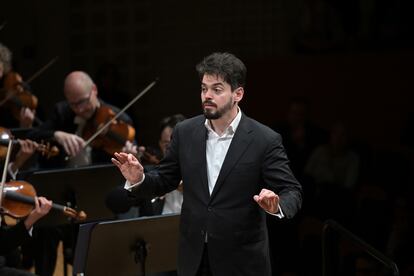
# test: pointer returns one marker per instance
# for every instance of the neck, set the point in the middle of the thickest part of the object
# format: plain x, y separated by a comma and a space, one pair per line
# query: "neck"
221, 124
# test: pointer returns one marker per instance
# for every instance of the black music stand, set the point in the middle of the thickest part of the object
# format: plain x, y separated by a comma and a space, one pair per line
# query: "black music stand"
85, 188
127, 247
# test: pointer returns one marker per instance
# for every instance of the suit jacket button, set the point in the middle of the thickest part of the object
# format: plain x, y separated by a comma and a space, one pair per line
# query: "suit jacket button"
209, 209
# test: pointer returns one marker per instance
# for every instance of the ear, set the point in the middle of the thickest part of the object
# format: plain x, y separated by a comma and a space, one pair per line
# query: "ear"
238, 94
94, 90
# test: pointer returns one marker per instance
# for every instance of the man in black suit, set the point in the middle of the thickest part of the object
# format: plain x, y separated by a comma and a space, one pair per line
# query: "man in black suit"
234, 170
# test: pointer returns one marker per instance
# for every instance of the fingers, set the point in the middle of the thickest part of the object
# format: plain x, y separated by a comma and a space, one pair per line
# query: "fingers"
27, 146
44, 205
37, 204
122, 158
131, 158
72, 143
116, 162
268, 200
75, 144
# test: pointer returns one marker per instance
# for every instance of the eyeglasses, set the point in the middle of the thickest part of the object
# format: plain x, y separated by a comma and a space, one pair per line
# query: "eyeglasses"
81, 103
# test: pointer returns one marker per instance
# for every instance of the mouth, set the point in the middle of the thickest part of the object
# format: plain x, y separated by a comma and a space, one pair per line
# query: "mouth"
209, 105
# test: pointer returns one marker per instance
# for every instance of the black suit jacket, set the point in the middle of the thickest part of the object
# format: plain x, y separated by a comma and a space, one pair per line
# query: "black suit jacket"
233, 222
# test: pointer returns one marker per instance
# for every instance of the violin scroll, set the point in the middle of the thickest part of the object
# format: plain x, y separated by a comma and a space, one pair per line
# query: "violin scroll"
78, 216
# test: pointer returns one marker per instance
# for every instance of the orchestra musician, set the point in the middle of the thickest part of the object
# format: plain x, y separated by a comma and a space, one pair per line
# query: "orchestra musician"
74, 117
11, 82
67, 126
11, 237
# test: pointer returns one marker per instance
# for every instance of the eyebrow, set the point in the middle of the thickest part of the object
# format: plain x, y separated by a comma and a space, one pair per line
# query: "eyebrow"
214, 84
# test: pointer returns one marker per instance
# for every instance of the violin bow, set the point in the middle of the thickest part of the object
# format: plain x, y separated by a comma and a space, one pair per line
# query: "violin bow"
6, 164
42, 69
100, 130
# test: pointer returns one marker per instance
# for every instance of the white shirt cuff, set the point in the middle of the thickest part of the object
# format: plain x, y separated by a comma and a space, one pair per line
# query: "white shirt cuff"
279, 213
128, 185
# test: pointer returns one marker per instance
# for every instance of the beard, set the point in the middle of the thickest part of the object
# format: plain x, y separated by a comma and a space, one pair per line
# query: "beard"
218, 113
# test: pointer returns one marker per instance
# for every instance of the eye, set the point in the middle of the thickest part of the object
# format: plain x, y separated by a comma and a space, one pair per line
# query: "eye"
217, 90
203, 89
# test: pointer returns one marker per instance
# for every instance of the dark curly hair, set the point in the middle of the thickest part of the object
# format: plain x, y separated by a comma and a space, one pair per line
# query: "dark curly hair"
225, 65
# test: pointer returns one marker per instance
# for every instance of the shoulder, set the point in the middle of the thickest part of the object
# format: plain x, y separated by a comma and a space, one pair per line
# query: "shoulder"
191, 123
258, 129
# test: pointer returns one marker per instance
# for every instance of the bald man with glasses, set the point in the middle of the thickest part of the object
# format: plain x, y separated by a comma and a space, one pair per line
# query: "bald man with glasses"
68, 121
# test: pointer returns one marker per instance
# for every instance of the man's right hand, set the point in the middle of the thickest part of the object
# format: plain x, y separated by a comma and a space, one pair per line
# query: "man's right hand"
72, 143
129, 166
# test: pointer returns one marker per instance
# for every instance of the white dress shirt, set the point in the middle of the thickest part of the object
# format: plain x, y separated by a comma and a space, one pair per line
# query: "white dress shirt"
216, 149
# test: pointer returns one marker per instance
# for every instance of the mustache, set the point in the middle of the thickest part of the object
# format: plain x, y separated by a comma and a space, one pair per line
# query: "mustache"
209, 102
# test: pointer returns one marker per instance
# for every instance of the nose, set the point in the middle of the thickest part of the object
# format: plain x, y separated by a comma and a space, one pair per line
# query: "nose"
208, 94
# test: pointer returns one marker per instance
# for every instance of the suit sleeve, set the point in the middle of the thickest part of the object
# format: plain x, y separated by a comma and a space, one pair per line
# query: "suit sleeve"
166, 176
279, 178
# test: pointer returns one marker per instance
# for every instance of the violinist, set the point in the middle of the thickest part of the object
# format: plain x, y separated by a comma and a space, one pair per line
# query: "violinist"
19, 234
11, 238
26, 150
11, 82
73, 118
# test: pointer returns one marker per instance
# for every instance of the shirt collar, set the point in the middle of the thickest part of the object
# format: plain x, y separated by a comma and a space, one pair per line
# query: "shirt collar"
231, 129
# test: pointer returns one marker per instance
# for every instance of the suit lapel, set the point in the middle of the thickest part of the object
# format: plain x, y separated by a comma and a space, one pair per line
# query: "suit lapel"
241, 140
200, 138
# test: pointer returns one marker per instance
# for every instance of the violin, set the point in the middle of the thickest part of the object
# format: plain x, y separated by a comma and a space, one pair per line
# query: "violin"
110, 132
45, 149
16, 94
113, 138
19, 198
